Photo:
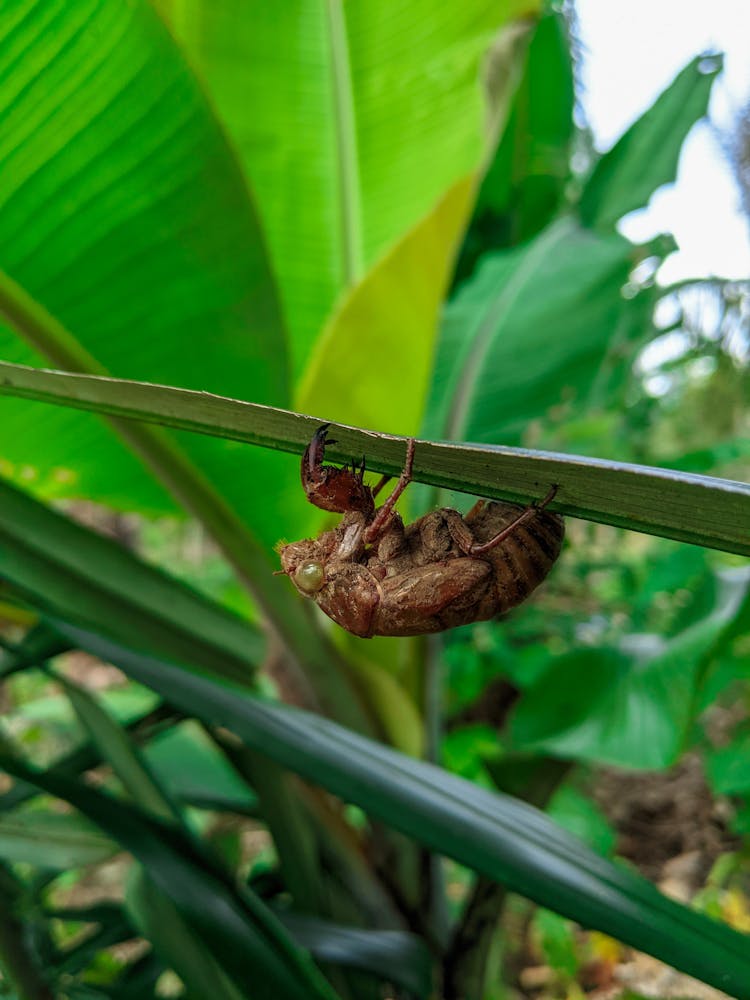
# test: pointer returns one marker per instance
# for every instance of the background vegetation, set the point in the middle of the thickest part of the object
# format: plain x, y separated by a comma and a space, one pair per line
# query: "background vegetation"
383, 215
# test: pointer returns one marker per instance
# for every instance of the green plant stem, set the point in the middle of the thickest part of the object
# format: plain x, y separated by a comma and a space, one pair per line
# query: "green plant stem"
311, 839
18, 966
430, 667
334, 689
285, 817
466, 961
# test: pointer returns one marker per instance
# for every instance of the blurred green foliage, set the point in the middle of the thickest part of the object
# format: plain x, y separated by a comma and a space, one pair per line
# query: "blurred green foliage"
374, 212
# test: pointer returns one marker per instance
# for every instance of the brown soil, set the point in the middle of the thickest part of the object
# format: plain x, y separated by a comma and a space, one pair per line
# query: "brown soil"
661, 818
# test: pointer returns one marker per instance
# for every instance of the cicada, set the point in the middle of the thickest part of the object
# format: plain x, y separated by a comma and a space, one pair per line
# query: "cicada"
374, 575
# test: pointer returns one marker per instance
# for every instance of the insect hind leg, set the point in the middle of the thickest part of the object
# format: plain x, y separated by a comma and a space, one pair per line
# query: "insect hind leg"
526, 515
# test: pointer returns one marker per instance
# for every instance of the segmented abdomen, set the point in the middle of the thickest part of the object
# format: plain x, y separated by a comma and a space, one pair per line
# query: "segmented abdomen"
524, 558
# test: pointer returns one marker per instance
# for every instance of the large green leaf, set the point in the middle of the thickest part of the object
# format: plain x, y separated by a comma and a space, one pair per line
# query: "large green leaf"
672, 504
386, 324
529, 333
147, 258
527, 173
729, 767
501, 837
128, 242
647, 154
524, 185
371, 364
242, 933
352, 120
622, 707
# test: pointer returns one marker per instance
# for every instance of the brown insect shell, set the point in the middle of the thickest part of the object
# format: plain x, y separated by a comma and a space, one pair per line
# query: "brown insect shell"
330, 488
418, 579
522, 560
348, 592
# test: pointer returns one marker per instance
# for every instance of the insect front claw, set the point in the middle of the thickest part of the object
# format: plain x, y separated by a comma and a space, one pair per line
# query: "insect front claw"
312, 459
330, 488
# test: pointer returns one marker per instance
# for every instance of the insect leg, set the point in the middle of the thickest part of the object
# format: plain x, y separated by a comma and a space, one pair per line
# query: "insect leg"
526, 515
383, 514
478, 506
380, 484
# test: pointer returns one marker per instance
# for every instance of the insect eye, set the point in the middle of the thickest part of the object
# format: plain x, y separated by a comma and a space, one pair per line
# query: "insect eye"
309, 577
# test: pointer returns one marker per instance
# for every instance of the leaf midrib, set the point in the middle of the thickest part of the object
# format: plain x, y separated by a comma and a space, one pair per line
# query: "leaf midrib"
346, 151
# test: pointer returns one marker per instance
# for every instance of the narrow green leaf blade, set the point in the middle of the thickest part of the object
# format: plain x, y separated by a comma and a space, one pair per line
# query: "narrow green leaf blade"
84, 757
56, 841
83, 954
115, 747
40, 644
641, 498
501, 837
100, 583
83, 576
646, 156
243, 934
401, 957
160, 922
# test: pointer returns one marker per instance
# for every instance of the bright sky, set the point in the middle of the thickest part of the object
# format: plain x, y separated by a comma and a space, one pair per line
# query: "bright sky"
632, 50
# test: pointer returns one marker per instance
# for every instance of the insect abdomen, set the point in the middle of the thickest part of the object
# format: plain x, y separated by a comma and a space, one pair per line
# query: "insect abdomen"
525, 557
